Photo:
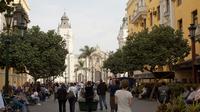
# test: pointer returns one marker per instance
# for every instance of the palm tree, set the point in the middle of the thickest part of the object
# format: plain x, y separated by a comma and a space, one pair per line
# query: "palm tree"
79, 66
86, 53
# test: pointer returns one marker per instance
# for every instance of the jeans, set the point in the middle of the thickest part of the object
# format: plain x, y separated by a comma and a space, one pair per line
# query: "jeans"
72, 102
102, 99
62, 105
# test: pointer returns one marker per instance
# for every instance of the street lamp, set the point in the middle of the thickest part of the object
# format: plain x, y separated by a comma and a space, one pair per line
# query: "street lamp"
92, 72
192, 30
9, 18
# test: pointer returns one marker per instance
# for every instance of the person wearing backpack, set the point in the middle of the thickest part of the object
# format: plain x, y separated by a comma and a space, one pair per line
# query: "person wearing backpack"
163, 93
72, 93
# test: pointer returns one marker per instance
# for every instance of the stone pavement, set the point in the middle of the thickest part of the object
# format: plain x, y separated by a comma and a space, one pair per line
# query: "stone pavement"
52, 106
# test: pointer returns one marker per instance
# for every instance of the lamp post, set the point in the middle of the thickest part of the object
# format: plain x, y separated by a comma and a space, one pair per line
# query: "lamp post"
92, 72
192, 30
8, 17
65, 77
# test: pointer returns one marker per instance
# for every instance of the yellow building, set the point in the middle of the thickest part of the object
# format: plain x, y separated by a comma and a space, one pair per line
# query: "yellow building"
187, 12
178, 14
18, 17
142, 14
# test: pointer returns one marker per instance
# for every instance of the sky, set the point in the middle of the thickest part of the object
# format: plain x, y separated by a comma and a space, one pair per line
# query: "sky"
94, 22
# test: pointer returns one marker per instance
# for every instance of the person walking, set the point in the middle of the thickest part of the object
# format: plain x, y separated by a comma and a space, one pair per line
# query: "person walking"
114, 86
62, 98
72, 96
124, 98
163, 93
89, 95
101, 91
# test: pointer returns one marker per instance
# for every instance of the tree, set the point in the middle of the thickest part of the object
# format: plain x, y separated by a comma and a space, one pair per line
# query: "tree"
80, 66
149, 49
159, 47
170, 46
37, 53
49, 57
5, 5
115, 62
133, 51
86, 53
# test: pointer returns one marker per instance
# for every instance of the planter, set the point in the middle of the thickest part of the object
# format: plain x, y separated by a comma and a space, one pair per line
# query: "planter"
83, 106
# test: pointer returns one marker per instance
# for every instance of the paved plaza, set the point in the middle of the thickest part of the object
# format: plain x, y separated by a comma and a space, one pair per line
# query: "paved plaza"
52, 106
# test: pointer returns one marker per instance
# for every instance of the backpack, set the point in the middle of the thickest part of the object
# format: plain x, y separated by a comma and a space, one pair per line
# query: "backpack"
163, 96
70, 95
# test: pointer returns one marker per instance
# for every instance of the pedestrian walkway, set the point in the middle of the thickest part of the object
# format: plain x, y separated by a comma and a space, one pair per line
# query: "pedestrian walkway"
52, 106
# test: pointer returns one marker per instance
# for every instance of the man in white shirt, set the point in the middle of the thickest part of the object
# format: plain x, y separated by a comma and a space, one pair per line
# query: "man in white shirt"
124, 98
72, 99
35, 97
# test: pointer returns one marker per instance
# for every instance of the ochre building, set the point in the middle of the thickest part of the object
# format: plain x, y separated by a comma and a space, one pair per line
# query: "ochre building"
178, 14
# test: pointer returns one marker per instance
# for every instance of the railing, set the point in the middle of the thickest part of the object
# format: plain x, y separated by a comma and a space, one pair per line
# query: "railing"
140, 12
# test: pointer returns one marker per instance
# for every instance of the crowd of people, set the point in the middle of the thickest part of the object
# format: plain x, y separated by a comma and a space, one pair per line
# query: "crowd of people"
90, 92
19, 97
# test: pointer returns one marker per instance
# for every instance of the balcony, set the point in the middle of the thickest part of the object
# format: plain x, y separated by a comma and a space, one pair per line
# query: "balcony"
139, 14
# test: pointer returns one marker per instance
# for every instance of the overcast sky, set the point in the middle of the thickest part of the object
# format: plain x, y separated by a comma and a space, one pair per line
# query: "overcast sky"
94, 22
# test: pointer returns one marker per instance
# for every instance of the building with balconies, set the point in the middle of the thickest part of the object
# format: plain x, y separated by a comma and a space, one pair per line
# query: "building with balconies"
187, 12
178, 14
142, 14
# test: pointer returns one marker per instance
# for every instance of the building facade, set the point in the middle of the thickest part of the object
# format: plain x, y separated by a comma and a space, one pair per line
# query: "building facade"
20, 18
65, 30
96, 66
187, 12
123, 33
92, 69
178, 14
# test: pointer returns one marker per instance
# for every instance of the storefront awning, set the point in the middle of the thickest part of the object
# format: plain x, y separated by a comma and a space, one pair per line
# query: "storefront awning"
155, 75
187, 64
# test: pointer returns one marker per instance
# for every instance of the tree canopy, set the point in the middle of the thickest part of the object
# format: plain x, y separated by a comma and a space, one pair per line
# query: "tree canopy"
148, 49
115, 62
37, 53
86, 51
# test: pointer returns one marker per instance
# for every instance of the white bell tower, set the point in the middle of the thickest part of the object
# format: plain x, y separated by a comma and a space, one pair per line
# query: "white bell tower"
64, 29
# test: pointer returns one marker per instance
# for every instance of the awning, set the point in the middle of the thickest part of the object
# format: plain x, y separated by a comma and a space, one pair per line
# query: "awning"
155, 75
187, 64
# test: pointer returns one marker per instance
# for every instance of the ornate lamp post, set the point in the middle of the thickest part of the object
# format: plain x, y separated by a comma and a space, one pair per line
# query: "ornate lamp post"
192, 30
9, 18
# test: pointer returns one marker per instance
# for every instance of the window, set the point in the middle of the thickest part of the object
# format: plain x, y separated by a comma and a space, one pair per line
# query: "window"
180, 24
167, 6
195, 17
158, 10
151, 19
179, 2
129, 18
145, 23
